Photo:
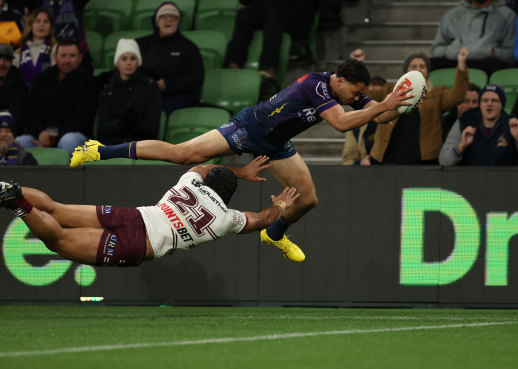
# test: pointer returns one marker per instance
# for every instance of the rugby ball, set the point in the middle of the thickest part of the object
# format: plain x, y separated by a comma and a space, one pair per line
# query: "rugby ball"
416, 80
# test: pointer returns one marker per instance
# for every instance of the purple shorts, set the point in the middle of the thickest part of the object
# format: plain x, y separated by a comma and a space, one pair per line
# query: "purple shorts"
123, 242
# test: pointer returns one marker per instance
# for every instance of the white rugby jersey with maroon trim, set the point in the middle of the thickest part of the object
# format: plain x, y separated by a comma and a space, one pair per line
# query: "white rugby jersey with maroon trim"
188, 215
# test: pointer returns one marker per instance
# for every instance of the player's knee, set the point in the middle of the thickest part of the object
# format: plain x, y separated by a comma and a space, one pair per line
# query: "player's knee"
308, 202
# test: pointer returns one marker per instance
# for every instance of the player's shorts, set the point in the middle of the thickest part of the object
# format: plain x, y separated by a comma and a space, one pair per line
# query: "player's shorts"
242, 136
123, 242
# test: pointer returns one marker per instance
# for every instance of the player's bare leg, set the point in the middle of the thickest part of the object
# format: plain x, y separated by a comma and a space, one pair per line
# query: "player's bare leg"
72, 216
76, 244
292, 172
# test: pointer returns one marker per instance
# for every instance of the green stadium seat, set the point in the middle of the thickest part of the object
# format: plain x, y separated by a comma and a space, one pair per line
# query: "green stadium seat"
254, 54
49, 155
231, 89
163, 126
212, 45
446, 77
110, 44
217, 15
143, 10
106, 17
95, 44
204, 118
176, 135
508, 80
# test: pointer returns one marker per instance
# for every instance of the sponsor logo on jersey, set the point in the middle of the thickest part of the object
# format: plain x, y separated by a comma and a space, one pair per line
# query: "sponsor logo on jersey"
321, 90
301, 79
177, 224
308, 115
278, 110
107, 209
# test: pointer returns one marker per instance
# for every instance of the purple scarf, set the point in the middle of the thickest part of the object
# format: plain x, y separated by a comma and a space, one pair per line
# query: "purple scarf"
30, 69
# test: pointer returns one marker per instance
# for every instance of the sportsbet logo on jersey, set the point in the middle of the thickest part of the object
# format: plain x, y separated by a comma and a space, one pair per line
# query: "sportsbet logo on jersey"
500, 228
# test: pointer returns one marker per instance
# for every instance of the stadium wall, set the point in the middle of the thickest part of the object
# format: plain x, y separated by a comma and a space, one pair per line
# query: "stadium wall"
381, 236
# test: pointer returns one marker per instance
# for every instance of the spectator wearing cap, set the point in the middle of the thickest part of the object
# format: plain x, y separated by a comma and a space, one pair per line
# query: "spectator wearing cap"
13, 90
416, 137
10, 152
130, 103
62, 103
172, 60
483, 136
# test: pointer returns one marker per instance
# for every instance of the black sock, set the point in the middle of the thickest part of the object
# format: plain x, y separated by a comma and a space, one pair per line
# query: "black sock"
276, 230
125, 150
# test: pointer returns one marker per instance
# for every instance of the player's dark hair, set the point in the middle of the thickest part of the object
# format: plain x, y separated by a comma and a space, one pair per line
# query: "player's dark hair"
223, 181
354, 71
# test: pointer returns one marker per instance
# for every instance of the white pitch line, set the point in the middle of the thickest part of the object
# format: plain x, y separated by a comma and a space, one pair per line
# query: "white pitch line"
269, 337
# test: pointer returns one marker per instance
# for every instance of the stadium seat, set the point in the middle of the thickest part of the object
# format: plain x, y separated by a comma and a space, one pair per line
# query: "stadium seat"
255, 50
95, 44
106, 17
176, 135
508, 80
143, 10
110, 44
204, 118
163, 126
212, 45
231, 89
446, 77
49, 155
217, 15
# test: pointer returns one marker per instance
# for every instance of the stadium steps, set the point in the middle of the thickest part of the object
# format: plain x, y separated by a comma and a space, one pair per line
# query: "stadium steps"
387, 31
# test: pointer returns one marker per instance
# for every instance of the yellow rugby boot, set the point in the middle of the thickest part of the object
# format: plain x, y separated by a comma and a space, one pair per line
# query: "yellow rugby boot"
288, 248
84, 153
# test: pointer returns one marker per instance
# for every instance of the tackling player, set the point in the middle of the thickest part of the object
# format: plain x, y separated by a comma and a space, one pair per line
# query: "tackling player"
192, 212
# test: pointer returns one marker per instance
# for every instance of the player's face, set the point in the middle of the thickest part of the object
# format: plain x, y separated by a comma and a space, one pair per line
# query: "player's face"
471, 101
348, 92
490, 105
419, 65
68, 58
167, 25
127, 65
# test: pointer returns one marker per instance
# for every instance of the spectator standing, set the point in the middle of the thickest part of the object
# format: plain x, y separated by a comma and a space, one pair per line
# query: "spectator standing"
485, 27
68, 22
13, 90
172, 60
130, 103
10, 152
273, 18
62, 103
35, 53
483, 136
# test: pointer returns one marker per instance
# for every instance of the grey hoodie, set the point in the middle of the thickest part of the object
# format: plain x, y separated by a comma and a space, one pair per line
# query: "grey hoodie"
479, 30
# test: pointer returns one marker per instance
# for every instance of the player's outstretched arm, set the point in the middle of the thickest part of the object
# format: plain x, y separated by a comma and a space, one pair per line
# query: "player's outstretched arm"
250, 171
266, 217
345, 121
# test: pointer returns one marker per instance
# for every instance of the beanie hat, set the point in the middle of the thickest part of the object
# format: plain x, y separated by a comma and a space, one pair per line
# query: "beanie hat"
495, 88
167, 9
412, 56
7, 121
127, 45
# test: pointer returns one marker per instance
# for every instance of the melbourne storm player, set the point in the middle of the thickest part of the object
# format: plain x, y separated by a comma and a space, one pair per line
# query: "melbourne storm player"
192, 212
266, 129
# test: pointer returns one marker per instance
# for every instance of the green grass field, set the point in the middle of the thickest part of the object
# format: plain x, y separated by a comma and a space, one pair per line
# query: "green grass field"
225, 337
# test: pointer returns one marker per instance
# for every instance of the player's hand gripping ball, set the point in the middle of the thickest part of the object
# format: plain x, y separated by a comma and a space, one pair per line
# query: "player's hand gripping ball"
416, 80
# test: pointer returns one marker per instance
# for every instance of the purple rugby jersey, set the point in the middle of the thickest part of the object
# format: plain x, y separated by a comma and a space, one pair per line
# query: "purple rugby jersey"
298, 107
